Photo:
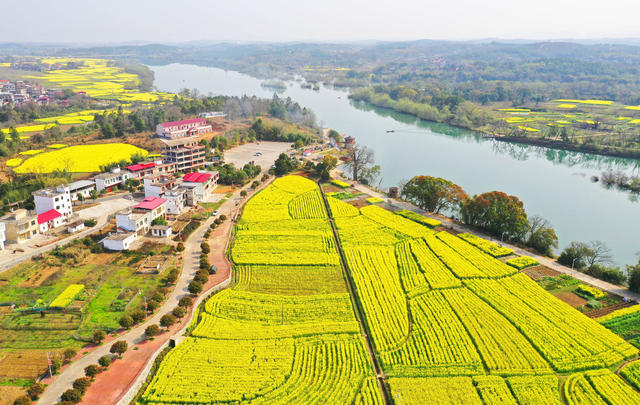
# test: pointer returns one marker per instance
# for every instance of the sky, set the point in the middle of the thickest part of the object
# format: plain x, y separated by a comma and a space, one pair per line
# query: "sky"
118, 21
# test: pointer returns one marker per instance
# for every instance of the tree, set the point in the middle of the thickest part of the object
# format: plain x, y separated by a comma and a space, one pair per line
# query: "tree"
69, 353
575, 255
205, 247
23, 400
105, 360
72, 395
195, 287
35, 391
119, 347
498, 213
243, 193
172, 276
179, 312
633, 273
93, 194
126, 321
55, 365
361, 157
185, 302
98, 336
152, 330
541, 236
159, 221
179, 247
167, 320
91, 370
433, 194
598, 253
81, 384
283, 164
138, 315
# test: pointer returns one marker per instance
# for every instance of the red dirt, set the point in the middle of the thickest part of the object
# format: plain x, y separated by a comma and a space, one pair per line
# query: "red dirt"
539, 272
113, 383
597, 313
571, 299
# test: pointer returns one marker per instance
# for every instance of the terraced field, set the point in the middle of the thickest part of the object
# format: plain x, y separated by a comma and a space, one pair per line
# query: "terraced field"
449, 322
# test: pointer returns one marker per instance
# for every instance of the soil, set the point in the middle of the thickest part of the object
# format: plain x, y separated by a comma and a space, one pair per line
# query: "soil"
8, 394
597, 313
571, 299
39, 277
330, 188
539, 272
23, 364
223, 190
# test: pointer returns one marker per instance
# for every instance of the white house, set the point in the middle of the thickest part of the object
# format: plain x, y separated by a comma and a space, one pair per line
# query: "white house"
176, 199
108, 181
119, 241
75, 226
82, 188
54, 199
3, 237
202, 182
156, 186
50, 220
140, 170
137, 223
161, 231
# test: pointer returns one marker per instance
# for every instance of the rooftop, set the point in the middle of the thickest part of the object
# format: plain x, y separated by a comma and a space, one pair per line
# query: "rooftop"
150, 203
48, 216
104, 176
184, 122
161, 227
140, 166
119, 236
181, 141
196, 177
76, 185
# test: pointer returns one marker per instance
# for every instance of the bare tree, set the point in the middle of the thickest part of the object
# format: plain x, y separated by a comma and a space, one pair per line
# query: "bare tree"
598, 253
361, 158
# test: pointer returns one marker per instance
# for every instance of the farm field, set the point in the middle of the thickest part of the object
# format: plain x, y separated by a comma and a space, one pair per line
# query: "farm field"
79, 158
286, 332
449, 322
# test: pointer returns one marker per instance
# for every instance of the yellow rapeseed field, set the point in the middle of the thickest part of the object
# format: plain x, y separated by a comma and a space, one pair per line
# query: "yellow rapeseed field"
80, 158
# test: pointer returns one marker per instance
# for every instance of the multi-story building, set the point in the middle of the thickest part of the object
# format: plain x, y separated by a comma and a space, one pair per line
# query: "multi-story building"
128, 221
176, 200
184, 128
186, 153
81, 188
56, 199
141, 170
111, 180
156, 186
20, 226
154, 206
202, 182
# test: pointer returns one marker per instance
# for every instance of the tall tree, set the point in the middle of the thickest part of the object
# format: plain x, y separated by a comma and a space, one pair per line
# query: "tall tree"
361, 157
501, 214
433, 193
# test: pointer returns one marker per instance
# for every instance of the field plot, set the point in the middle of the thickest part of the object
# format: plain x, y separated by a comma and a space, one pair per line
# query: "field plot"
286, 332
452, 324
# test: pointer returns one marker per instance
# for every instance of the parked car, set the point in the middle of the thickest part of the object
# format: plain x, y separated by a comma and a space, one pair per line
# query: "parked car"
215, 213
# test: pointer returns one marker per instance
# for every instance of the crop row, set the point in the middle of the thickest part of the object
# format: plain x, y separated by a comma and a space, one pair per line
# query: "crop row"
599, 387
67, 296
490, 248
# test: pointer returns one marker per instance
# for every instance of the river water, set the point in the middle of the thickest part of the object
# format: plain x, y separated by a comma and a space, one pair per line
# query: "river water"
552, 183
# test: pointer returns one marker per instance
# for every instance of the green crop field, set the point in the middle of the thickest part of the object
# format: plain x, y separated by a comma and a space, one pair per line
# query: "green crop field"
449, 323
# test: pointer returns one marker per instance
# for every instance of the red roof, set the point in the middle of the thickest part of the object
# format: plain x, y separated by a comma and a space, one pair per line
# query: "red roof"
183, 122
140, 166
196, 177
48, 216
150, 203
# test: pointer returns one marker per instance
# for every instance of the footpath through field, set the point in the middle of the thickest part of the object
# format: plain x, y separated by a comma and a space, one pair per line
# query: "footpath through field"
118, 383
545, 261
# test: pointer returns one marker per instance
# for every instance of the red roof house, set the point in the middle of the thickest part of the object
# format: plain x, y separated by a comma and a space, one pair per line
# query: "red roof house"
196, 177
48, 216
150, 203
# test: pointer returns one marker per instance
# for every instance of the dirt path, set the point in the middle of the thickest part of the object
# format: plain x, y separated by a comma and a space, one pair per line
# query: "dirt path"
359, 312
545, 261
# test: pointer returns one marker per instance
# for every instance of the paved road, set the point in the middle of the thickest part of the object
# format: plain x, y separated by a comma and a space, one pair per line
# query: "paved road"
108, 206
552, 264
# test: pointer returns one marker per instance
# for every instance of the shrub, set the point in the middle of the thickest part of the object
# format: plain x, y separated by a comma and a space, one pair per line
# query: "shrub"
119, 347
98, 336
213, 225
69, 353
185, 302
138, 315
126, 321
91, 370
90, 223
81, 384
179, 312
152, 330
167, 320
152, 305
217, 221
195, 287
172, 276
591, 291
201, 277
72, 395
205, 247
23, 400
243, 193
180, 247
35, 391
105, 360
223, 217
55, 365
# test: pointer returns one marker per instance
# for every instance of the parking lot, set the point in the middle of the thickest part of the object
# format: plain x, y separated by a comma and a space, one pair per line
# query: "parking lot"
244, 154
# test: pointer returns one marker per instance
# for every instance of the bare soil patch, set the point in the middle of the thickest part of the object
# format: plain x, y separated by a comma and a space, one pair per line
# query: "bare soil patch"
23, 364
539, 272
223, 189
8, 394
571, 299
38, 277
597, 313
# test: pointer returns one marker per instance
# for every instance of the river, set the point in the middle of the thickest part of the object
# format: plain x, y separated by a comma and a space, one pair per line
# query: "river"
552, 183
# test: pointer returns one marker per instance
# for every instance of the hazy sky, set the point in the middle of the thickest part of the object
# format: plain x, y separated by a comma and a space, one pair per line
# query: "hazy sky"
284, 20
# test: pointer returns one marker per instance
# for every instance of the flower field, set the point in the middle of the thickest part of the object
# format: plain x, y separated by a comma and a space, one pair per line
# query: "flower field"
448, 322
421, 219
67, 296
79, 158
452, 324
522, 262
286, 332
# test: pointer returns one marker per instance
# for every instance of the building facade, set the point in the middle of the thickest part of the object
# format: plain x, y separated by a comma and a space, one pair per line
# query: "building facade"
202, 182
110, 181
82, 188
184, 128
54, 199
20, 226
186, 154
